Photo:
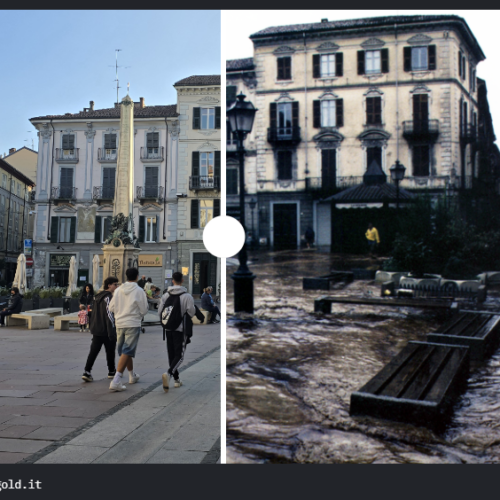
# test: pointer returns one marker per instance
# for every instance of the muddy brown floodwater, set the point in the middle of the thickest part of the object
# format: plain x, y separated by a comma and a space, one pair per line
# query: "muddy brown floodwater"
290, 374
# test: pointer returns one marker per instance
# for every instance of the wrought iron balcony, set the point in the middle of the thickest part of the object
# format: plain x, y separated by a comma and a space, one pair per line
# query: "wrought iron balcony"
281, 135
334, 183
421, 130
103, 193
67, 155
107, 155
63, 193
197, 182
151, 154
468, 133
149, 193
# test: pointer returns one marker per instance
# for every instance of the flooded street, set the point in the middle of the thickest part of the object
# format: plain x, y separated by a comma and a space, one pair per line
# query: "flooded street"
290, 374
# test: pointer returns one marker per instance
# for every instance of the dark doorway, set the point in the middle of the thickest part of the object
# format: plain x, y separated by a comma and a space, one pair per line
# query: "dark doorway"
374, 155
328, 169
59, 277
204, 272
285, 226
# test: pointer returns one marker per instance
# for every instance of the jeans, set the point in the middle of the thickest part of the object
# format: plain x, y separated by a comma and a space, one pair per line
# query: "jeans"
127, 340
215, 311
2, 316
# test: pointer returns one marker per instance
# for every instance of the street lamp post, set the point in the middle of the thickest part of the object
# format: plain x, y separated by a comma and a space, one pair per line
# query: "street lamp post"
241, 116
252, 204
397, 174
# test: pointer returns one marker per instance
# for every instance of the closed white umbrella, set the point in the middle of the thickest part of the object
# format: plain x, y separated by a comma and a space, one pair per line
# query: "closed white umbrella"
95, 272
73, 272
20, 277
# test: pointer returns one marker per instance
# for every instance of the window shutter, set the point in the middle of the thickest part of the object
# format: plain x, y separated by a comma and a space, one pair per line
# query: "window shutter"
407, 58
339, 64
71, 141
195, 215
142, 228
97, 234
339, 109
196, 118
155, 229
272, 115
217, 164
72, 230
316, 66
153, 140
377, 109
280, 68
65, 141
230, 94
110, 141
369, 110
195, 164
295, 114
384, 54
287, 68
217, 116
216, 208
317, 114
361, 62
459, 64
54, 230
432, 56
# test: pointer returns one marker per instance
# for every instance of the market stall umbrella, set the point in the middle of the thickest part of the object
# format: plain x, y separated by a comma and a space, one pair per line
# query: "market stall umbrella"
73, 272
20, 277
95, 272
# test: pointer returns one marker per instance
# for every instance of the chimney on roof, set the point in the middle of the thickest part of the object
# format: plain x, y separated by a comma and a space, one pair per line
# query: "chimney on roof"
12, 150
324, 20
142, 103
91, 105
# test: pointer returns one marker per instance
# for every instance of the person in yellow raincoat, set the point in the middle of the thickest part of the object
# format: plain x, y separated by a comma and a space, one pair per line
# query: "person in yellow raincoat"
373, 238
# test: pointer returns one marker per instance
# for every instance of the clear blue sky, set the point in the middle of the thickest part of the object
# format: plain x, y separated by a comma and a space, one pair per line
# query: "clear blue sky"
55, 62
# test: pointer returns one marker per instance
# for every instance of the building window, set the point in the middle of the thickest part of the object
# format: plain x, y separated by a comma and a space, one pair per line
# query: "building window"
462, 65
373, 110
102, 228
206, 118
150, 236
4, 181
419, 58
328, 113
206, 212
153, 144
230, 95
285, 118
68, 143
372, 61
421, 158
66, 182
284, 165
284, 68
108, 182
65, 229
374, 155
110, 146
207, 169
231, 181
231, 137
151, 182
203, 211
19, 190
328, 65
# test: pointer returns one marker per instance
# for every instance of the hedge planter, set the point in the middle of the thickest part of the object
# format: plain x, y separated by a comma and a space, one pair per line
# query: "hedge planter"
36, 302
27, 305
74, 305
58, 302
45, 303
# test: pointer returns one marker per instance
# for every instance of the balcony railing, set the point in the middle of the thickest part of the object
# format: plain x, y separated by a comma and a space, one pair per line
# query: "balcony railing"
107, 155
284, 134
152, 193
204, 182
468, 133
67, 155
421, 129
335, 183
152, 154
103, 193
63, 193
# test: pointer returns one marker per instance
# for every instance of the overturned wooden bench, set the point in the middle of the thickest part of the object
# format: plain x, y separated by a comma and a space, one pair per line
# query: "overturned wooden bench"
419, 385
33, 321
479, 331
62, 322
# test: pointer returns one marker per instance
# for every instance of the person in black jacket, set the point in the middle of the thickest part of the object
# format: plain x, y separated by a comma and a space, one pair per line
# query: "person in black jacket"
86, 298
14, 307
102, 328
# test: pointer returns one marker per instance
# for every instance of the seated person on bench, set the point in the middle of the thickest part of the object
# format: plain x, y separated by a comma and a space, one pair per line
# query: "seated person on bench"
14, 307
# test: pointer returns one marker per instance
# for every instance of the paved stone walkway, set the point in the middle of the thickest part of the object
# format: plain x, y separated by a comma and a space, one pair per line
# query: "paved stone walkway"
44, 403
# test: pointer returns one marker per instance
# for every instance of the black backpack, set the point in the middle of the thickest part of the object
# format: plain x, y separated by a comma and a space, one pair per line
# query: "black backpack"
171, 316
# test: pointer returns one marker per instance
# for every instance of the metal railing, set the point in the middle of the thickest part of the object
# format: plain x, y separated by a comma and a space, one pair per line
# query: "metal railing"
63, 193
285, 134
338, 183
103, 193
149, 193
204, 182
104, 155
468, 132
152, 154
67, 155
420, 127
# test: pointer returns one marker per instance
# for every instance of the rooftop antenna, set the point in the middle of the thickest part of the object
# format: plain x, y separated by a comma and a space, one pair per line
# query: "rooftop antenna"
116, 74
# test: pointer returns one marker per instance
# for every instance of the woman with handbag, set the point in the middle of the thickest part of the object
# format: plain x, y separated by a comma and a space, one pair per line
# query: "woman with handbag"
86, 298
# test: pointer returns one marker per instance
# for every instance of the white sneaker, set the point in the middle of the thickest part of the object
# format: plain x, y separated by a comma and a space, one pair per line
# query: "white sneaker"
178, 383
166, 381
133, 378
117, 387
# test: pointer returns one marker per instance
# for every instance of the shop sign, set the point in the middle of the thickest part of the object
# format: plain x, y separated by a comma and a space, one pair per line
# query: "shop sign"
150, 260
58, 260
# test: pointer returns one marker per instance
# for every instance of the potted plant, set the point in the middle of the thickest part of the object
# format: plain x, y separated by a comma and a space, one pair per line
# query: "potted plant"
36, 297
27, 301
74, 303
45, 299
57, 296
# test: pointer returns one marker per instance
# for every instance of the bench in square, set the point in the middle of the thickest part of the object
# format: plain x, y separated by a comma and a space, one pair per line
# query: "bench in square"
31, 320
62, 322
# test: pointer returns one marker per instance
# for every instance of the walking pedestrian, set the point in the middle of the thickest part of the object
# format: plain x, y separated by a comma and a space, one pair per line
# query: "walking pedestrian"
129, 306
87, 297
176, 310
142, 281
373, 238
309, 236
13, 307
102, 327
83, 318
207, 303
148, 285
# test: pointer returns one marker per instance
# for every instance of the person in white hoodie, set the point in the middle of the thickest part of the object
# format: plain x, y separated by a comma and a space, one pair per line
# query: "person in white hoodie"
129, 305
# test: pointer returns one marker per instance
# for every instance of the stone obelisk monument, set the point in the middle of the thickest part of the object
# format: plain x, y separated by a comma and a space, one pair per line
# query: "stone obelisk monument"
121, 249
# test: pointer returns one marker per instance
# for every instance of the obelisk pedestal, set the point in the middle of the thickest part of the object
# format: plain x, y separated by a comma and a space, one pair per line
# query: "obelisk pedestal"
121, 249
